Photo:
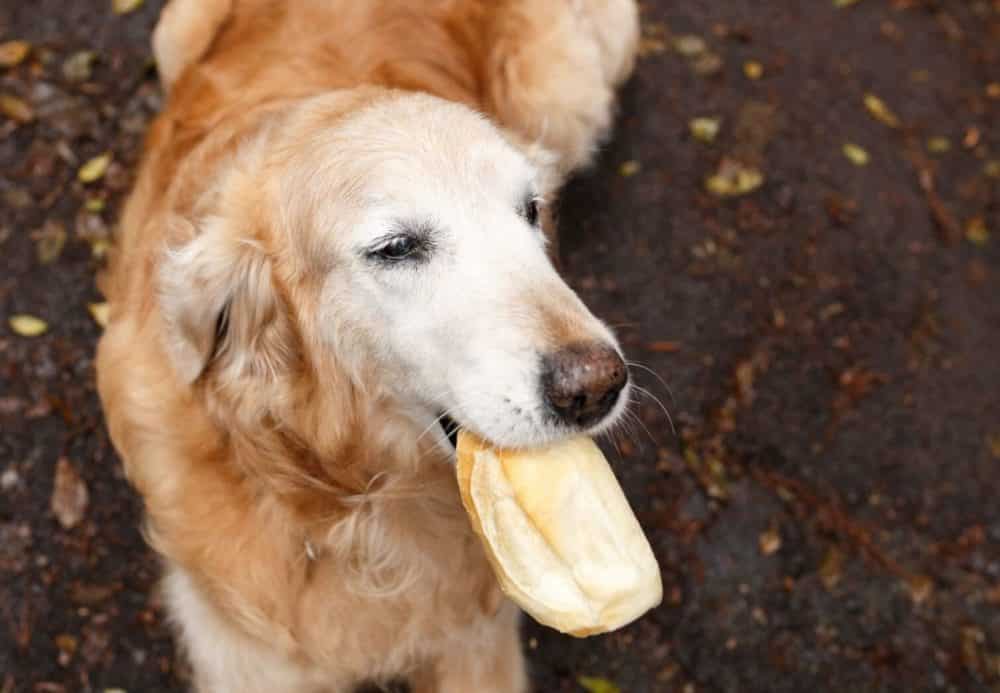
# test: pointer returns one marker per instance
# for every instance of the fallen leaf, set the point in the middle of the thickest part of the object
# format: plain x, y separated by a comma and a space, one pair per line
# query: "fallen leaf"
28, 325
976, 232
16, 109
704, 129
839, 4
629, 168
596, 684
753, 69
100, 313
993, 442
13, 52
78, 67
920, 588
993, 90
125, 6
49, 242
769, 541
832, 568
971, 138
69, 495
992, 169
99, 247
664, 347
94, 169
880, 111
690, 46
734, 178
94, 204
856, 154
651, 46
707, 64
938, 145
67, 643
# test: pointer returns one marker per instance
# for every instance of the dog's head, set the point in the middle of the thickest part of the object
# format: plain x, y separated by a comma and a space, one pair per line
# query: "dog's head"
399, 240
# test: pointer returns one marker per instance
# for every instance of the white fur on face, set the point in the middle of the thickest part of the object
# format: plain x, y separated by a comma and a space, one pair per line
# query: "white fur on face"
462, 330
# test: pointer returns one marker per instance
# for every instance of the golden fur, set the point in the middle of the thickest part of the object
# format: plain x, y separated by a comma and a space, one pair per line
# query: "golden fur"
313, 538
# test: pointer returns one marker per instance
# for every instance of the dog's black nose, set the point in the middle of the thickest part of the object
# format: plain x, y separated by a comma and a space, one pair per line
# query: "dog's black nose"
581, 383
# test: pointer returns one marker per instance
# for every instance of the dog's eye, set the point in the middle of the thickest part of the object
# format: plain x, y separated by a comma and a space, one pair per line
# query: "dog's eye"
398, 248
531, 210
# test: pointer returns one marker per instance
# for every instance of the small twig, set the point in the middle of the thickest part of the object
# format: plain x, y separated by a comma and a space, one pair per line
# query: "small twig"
948, 228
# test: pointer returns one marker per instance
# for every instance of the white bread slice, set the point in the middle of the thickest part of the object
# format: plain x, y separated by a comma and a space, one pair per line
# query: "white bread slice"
560, 534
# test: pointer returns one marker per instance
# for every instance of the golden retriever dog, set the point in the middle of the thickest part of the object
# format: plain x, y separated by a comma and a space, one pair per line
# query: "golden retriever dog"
337, 241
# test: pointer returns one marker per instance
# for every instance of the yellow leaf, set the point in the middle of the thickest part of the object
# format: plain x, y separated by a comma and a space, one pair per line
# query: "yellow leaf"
733, 178
629, 168
49, 242
99, 248
125, 6
596, 684
13, 52
938, 145
753, 69
844, 3
994, 444
651, 46
857, 155
992, 168
976, 232
704, 129
94, 204
28, 325
16, 109
689, 46
94, 169
769, 541
100, 312
880, 111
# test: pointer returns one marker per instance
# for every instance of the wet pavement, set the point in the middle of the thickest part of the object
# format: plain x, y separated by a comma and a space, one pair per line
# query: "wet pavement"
824, 504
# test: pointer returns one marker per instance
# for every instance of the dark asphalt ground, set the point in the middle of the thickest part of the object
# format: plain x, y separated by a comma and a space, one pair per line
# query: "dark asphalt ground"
827, 513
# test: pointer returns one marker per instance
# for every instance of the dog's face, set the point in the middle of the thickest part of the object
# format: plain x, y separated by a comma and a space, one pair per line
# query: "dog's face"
417, 226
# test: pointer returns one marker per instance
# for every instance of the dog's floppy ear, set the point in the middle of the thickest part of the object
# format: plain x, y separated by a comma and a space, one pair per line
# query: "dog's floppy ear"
219, 304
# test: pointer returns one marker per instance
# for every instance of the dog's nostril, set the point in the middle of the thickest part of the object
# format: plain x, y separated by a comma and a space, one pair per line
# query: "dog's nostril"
581, 383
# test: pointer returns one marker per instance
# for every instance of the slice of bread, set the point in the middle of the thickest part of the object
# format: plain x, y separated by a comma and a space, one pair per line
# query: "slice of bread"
560, 534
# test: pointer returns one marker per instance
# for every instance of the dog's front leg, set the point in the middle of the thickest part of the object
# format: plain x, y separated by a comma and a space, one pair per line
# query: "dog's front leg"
485, 662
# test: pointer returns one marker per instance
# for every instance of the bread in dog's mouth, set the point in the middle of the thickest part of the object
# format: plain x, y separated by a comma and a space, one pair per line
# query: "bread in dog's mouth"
559, 533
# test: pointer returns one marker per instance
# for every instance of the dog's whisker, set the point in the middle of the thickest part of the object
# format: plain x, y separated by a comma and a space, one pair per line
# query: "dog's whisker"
647, 393
636, 364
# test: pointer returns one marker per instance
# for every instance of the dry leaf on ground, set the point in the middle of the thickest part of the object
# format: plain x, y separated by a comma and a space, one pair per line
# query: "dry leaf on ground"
100, 313
689, 46
753, 69
79, 66
629, 168
880, 111
28, 325
49, 242
733, 178
770, 541
597, 684
704, 129
13, 52
125, 6
94, 169
69, 495
976, 231
857, 154
16, 109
